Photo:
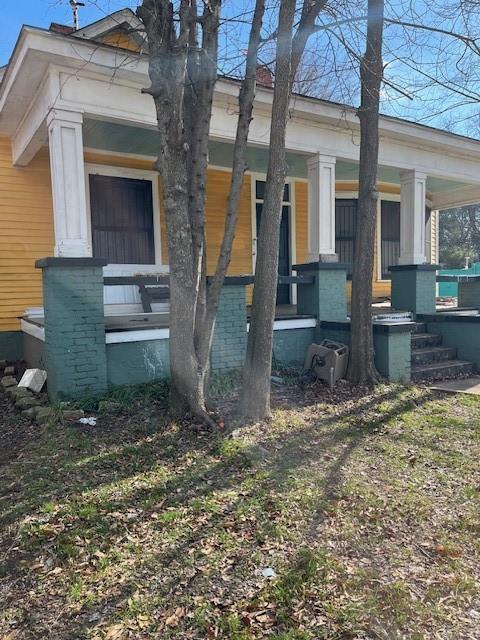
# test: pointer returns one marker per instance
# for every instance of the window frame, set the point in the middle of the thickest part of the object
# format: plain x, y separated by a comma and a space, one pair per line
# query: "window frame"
135, 174
262, 177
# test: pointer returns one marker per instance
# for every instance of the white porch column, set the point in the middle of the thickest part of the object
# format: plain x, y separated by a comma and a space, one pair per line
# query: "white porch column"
412, 217
321, 209
65, 139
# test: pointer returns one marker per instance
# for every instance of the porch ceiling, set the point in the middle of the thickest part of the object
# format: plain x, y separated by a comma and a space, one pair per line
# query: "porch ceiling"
119, 138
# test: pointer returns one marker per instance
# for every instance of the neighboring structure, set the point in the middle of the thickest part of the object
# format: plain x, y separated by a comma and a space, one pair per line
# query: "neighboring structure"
77, 146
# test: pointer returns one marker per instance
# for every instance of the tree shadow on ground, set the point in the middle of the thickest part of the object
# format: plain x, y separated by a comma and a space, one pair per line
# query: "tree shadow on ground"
203, 471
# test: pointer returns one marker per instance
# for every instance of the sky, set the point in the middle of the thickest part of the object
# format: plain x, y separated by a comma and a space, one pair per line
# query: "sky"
40, 13
407, 93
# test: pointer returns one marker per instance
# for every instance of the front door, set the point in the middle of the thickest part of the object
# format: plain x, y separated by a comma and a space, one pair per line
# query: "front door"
283, 290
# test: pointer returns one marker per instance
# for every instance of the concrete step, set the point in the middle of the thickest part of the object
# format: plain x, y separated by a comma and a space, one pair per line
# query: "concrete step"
420, 327
424, 340
441, 370
433, 354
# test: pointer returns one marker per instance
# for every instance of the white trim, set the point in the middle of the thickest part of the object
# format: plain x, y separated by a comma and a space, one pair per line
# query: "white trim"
292, 250
33, 330
294, 323
136, 335
139, 174
109, 23
292, 226
142, 335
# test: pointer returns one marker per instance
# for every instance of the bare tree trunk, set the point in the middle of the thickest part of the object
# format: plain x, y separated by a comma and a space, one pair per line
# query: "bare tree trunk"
183, 72
245, 103
361, 367
255, 400
256, 384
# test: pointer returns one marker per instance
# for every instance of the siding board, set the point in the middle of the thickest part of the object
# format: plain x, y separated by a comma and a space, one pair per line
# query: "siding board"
26, 233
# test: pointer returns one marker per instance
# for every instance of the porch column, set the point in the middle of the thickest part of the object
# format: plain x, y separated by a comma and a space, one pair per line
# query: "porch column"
412, 217
72, 238
321, 209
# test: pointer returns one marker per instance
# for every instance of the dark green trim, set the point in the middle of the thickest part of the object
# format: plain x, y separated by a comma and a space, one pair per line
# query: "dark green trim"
11, 345
394, 327
448, 317
414, 267
70, 262
321, 266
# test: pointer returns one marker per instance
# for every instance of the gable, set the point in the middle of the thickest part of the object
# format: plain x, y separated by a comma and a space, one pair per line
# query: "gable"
120, 29
123, 38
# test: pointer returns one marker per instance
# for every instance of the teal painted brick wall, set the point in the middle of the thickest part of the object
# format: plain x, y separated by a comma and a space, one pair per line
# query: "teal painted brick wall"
392, 352
11, 345
465, 336
393, 355
137, 362
326, 297
469, 294
290, 346
414, 290
229, 344
74, 331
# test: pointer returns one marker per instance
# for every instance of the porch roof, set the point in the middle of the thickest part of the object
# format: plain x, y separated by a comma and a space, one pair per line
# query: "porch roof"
52, 70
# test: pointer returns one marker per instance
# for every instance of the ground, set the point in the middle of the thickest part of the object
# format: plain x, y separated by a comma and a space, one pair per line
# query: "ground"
363, 509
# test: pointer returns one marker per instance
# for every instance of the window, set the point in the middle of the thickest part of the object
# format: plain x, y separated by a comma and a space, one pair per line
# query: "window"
122, 219
345, 230
283, 290
390, 236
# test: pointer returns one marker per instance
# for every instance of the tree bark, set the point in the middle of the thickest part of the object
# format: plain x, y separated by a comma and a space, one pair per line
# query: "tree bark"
183, 71
361, 368
255, 397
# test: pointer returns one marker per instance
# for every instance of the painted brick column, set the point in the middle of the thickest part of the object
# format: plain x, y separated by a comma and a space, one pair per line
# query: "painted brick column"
469, 292
325, 298
414, 287
393, 351
229, 345
74, 326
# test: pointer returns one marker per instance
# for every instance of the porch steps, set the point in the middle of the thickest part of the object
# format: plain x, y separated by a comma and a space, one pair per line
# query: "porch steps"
433, 361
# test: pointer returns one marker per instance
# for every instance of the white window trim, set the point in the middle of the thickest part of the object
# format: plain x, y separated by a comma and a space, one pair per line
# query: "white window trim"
388, 197
138, 174
254, 176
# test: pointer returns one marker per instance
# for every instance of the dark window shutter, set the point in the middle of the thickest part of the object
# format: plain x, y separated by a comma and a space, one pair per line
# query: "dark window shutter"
345, 230
390, 238
122, 220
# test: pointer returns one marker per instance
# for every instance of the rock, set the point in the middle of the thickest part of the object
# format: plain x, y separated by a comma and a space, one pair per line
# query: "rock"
43, 415
17, 392
3, 364
27, 403
10, 371
8, 381
33, 379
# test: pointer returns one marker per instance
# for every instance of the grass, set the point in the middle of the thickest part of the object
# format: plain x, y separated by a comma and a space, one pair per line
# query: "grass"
365, 505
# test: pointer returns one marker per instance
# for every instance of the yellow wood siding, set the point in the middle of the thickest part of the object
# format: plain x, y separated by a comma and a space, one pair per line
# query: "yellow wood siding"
26, 225
120, 38
218, 185
26, 233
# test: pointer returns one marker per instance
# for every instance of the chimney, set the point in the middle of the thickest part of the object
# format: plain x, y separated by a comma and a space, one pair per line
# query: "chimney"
61, 28
264, 76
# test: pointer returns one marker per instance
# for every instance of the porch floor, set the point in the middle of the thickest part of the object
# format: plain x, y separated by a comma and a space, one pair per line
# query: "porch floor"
161, 320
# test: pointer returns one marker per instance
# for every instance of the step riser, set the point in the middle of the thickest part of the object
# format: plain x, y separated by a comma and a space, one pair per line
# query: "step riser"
426, 341
443, 372
440, 355
420, 327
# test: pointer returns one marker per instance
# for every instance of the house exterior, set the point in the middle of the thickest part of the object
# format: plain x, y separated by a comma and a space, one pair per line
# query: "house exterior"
77, 178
